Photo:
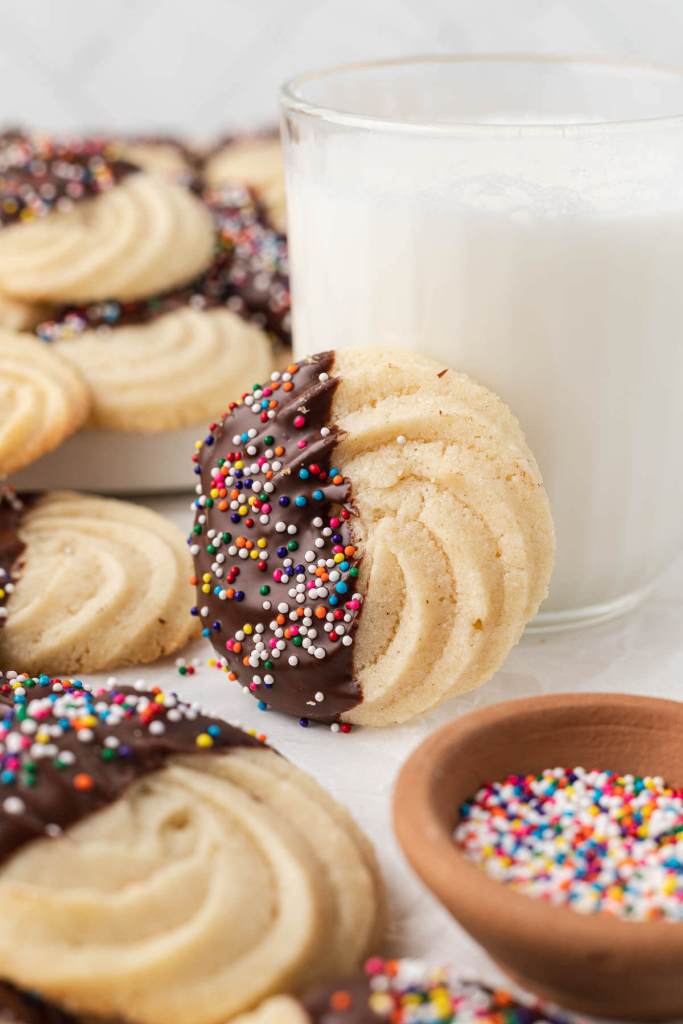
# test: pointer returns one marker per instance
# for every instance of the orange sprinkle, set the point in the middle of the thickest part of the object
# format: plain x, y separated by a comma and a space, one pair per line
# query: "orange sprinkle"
340, 1000
83, 781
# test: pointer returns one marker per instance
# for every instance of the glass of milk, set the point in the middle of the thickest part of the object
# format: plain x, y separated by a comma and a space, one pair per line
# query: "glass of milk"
519, 219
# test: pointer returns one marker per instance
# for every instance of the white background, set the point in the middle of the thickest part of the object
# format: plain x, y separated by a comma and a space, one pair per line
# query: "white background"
204, 65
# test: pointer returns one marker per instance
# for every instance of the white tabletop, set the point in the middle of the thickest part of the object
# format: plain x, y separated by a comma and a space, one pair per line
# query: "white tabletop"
640, 653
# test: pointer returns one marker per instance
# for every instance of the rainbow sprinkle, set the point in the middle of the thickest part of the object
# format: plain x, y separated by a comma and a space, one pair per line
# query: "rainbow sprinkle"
39, 174
595, 841
410, 992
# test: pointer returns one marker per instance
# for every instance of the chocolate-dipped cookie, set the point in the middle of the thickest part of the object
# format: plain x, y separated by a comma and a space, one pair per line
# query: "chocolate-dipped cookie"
371, 536
256, 161
88, 583
79, 224
147, 865
169, 360
402, 992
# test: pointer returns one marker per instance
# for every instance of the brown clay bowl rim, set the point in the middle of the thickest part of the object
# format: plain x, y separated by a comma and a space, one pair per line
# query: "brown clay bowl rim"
466, 890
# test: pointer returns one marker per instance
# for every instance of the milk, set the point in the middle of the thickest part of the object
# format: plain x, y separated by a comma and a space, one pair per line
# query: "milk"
550, 269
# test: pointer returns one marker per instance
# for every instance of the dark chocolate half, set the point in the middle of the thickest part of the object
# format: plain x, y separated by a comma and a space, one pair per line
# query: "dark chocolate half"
39, 174
21, 1008
276, 566
67, 751
392, 994
249, 275
12, 548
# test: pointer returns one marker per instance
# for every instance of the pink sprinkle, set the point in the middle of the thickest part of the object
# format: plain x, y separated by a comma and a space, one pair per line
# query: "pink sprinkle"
299, 422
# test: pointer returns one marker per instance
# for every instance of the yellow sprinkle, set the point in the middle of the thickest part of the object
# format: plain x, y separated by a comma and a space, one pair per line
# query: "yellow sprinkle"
206, 578
380, 1003
247, 628
261, 542
239, 464
253, 554
243, 510
204, 740
339, 557
206, 588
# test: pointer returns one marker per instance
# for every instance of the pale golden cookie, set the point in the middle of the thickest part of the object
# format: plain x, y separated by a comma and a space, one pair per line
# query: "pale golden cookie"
140, 237
407, 537
278, 1010
257, 162
174, 371
99, 584
44, 399
16, 315
192, 896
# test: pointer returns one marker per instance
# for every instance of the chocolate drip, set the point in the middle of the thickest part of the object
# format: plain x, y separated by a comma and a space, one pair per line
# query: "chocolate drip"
12, 510
21, 1008
40, 174
270, 491
351, 1002
249, 275
86, 748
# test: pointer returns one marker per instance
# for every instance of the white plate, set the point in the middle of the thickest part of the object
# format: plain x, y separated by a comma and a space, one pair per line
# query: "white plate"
115, 462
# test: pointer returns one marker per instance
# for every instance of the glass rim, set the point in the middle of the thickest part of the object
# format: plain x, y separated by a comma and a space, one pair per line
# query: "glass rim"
291, 97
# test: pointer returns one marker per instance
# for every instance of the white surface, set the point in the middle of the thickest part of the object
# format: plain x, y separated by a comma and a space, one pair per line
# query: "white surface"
545, 264
641, 653
213, 63
116, 462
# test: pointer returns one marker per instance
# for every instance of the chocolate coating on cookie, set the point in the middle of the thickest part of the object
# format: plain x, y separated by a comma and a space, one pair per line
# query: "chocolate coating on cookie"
276, 566
249, 275
20, 1008
67, 751
345, 1002
402, 991
12, 510
40, 174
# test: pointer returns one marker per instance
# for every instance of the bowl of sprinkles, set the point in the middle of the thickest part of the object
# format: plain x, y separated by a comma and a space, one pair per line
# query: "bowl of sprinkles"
552, 830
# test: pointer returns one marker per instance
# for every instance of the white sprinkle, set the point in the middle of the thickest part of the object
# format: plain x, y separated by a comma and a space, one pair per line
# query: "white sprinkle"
13, 805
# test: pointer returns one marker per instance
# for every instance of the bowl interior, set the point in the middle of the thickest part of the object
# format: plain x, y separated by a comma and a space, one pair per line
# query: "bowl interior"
627, 735
593, 963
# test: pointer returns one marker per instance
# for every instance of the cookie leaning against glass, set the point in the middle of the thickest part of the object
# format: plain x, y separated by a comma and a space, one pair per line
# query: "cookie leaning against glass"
147, 866
371, 536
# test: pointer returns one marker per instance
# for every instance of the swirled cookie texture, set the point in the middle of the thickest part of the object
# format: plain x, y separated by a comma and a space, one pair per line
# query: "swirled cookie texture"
138, 236
44, 399
89, 583
371, 536
255, 161
169, 360
170, 372
150, 870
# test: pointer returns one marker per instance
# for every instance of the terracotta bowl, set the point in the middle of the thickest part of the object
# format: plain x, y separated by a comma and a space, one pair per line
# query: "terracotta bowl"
590, 963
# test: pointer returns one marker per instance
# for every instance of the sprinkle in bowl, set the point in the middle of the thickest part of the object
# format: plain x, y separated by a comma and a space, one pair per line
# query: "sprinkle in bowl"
596, 963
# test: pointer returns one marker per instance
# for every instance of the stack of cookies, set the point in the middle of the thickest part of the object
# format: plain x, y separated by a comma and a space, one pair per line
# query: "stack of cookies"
166, 290
135, 301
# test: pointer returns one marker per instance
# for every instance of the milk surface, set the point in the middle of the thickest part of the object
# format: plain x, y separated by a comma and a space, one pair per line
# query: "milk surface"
550, 272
